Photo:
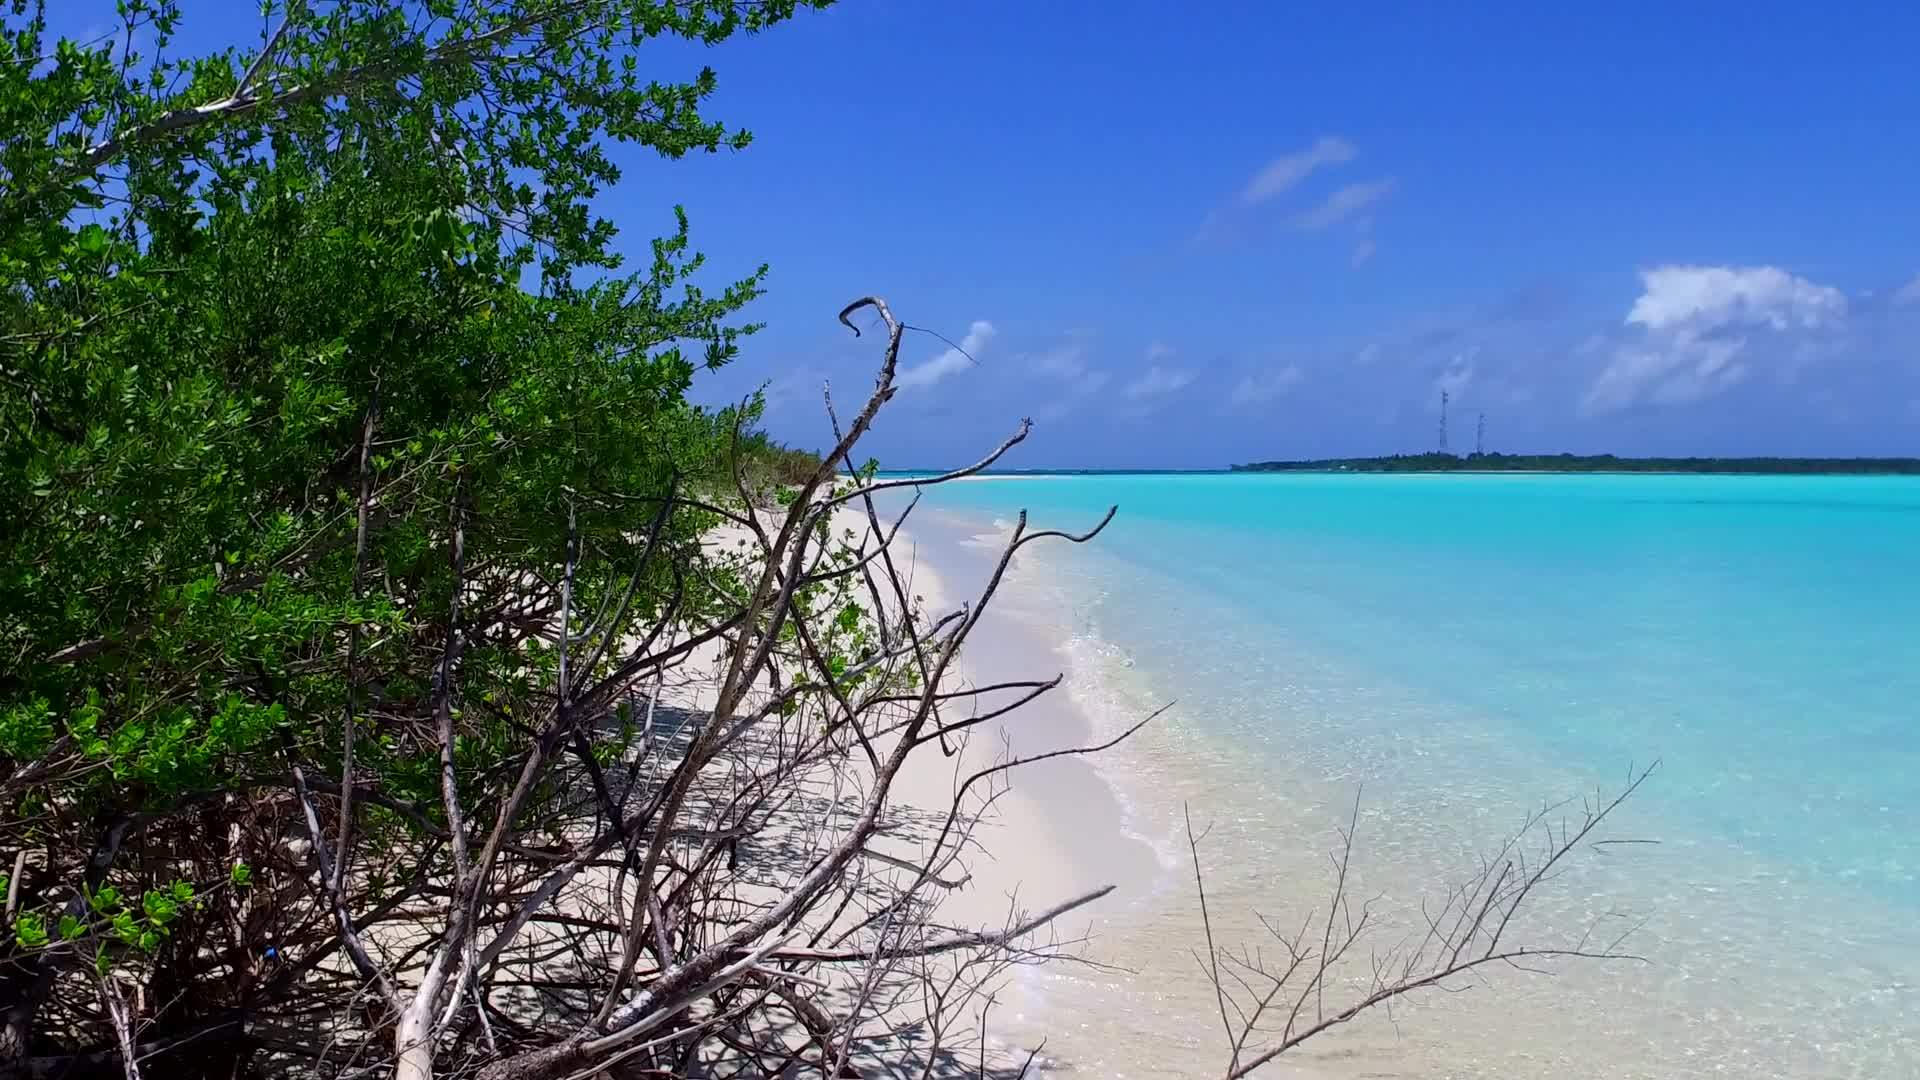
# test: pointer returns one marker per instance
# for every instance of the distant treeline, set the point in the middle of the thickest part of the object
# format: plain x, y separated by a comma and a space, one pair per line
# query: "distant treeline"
905, 473
1582, 463
764, 462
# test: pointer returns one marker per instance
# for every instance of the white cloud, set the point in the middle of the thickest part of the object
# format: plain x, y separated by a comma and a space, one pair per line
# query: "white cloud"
1065, 360
1159, 351
949, 362
1364, 247
794, 385
1069, 363
1156, 381
1367, 354
1708, 297
1908, 293
1254, 389
1084, 386
1282, 173
1345, 203
1670, 376
1698, 322
1458, 374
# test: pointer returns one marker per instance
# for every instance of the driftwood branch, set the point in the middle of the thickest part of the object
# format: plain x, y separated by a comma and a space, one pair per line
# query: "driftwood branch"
1469, 932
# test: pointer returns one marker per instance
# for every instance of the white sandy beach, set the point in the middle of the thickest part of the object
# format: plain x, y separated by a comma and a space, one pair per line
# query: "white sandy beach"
1052, 831
1059, 830
1056, 832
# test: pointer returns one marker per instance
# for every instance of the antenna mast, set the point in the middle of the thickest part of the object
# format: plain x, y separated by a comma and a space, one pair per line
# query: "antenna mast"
1480, 436
1443, 421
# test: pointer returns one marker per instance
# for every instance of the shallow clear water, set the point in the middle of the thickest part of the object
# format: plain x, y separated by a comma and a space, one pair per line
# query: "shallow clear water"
1459, 649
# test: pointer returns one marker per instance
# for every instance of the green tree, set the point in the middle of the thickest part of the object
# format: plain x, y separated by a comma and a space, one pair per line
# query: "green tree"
312, 355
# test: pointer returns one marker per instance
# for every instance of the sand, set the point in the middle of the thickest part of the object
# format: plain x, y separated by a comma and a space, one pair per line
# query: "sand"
1057, 830
1052, 831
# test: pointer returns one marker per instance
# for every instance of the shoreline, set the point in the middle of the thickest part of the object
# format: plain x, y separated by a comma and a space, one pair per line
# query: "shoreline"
1059, 828
1040, 834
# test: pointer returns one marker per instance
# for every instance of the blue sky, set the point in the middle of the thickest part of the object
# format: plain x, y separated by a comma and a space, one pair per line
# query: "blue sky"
1185, 236
1269, 231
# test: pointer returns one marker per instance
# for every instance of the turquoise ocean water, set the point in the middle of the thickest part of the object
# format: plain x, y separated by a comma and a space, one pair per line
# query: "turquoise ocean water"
1456, 649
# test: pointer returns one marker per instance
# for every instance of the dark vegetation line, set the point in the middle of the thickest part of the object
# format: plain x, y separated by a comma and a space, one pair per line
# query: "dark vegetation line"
1475, 463
1593, 463
765, 462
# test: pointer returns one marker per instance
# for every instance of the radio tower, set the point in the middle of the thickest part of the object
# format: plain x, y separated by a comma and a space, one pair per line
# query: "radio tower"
1480, 437
1443, 421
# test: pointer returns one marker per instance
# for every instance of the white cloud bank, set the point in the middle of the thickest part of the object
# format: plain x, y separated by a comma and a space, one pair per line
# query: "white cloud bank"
1697, 324
949, 362
1708, 297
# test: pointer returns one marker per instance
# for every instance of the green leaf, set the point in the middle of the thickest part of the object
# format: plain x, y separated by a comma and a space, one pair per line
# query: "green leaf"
30, 931
179, 411
92, 241
160, 907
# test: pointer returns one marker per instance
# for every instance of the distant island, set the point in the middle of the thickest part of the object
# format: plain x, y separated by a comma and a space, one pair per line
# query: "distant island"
1590, 463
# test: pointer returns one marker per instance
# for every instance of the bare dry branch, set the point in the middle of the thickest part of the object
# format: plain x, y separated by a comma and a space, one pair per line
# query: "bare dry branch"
1468, 932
